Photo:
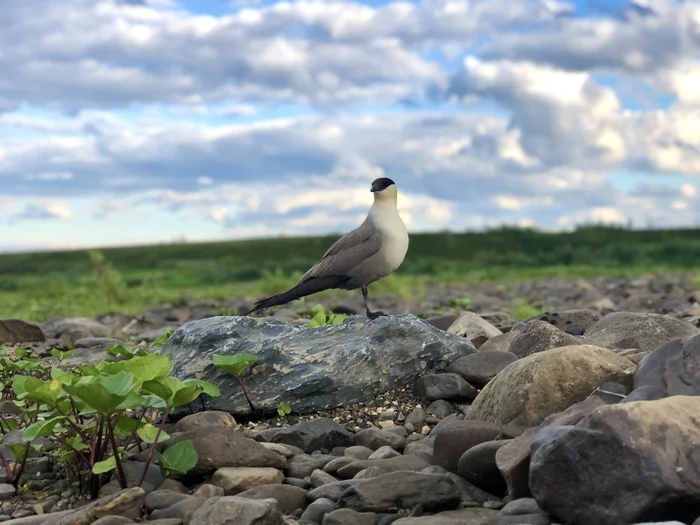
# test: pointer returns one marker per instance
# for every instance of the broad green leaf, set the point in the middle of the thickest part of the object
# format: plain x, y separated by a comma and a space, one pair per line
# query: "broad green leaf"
48, 392
208, 388
78, 444
143, 368
148, 434
186, 395
61, 355
163, 338
105, 466
61, 375
133, 400
179, 458
337, 318
151, 401
158, 388
18, 449
21, 384
41, 428
126, 425
94, 394
11, 424
21, 352
319, 319
234, 364
119, 384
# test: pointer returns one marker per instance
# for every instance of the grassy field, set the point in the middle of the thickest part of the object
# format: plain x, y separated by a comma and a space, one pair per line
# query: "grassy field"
43, 285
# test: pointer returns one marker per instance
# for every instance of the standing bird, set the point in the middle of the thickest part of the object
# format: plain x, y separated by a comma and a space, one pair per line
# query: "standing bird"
362, 256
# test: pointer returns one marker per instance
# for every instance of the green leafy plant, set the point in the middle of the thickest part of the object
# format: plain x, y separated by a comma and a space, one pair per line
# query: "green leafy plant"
95, 413
461, 302
323, 319
284, 408
237, 365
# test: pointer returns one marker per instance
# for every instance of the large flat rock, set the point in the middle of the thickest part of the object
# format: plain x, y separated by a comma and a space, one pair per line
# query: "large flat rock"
311, 368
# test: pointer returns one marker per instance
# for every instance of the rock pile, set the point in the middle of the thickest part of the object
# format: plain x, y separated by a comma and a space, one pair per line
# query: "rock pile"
523, 423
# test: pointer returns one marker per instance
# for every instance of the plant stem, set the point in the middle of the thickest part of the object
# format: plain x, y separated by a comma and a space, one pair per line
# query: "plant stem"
245, 393
153, 446
8, 470
115, 450
22, 464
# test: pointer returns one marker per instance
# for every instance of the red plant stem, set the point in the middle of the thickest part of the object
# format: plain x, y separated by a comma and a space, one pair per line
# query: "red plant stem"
115, 450
82, 434
94, 442
245, 393
22, 464
153, 447
9, 478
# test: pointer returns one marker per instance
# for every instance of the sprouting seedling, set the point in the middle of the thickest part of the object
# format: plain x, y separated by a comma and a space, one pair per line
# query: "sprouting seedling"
284, 408
321, 319
237, 365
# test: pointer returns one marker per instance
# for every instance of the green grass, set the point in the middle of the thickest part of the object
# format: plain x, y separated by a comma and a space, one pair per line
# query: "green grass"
43, 285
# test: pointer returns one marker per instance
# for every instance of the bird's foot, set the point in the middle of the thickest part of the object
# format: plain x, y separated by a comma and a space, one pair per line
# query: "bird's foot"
374, 315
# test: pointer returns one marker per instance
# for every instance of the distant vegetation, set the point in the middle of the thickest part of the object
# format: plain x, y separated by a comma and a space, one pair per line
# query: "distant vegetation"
40, 285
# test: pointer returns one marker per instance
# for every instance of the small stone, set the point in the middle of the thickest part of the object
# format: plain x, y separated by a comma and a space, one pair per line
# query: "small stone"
478, 369
439, 408
417, 417
315, 512
521, 506
126, 503
358, 452
384, 452
162, 499
318, 477
310, 436
7, 491
474, 327
179, 509
237, 479
288, 497
375, 438
444, 386
14, 331
456, 437
303, 465
207, 490
349, 517
208, 417
238, 510
408, 489
221, 446
113, 520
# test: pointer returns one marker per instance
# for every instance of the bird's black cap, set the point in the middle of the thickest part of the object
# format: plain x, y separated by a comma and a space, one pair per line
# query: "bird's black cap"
380, 184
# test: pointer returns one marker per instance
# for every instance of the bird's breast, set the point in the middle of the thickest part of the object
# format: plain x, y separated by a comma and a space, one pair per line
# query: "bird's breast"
394, 242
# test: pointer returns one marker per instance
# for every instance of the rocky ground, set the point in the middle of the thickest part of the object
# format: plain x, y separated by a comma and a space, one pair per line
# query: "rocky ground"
587, 414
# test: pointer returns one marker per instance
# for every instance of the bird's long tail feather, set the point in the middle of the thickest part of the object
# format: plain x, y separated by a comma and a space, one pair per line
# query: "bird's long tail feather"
302, 289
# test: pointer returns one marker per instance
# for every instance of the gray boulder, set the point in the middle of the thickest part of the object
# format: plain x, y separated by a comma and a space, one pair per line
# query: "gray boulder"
402, 489
644, 331
629, 462
313, 369
241, 511
673, 369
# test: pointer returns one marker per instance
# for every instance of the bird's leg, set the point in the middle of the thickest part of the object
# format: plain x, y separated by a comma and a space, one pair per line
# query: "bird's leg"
372, 315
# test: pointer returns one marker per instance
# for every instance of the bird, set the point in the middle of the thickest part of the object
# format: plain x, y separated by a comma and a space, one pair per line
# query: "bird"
370, 252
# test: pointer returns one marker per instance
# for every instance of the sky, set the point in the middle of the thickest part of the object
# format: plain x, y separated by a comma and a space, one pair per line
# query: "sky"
129, 122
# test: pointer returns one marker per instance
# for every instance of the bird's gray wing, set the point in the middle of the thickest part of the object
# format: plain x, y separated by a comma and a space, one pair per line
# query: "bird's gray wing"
347, 252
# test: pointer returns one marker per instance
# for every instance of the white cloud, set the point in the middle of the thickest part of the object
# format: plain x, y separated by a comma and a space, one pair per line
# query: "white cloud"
484, 112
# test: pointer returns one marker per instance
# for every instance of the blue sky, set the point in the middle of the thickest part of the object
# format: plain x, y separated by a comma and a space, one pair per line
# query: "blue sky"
142, 121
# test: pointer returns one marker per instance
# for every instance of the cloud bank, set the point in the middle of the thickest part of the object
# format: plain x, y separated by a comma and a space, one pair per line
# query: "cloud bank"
138, 121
